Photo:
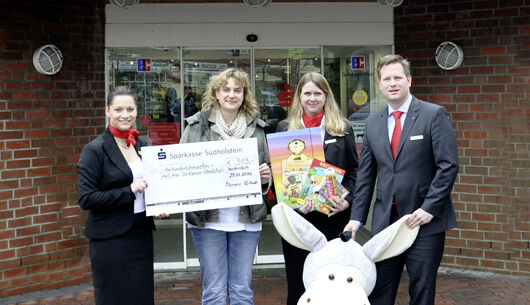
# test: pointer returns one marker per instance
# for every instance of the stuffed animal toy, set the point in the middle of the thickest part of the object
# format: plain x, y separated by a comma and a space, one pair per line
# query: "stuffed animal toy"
339, 271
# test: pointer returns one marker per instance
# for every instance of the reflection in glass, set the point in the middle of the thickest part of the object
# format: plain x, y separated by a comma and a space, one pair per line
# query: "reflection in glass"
270, 240
167, 240
352, 76
277, 74
200, 65
154, 75
351, 73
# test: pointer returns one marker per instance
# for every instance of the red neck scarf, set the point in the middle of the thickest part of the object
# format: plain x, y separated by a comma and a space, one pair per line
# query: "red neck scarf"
129, 135
314, 121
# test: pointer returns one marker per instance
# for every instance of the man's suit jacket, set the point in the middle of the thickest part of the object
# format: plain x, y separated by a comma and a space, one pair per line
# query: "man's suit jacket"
103, 188
421, 176
341, 152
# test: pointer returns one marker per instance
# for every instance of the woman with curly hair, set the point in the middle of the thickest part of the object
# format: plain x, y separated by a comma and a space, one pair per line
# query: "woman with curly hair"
225, 239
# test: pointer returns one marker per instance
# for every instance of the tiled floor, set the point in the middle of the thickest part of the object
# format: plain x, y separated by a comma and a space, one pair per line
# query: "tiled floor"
453, 288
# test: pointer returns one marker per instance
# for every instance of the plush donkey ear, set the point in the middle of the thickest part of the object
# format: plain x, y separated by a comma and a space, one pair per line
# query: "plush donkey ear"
295, 229
392, 241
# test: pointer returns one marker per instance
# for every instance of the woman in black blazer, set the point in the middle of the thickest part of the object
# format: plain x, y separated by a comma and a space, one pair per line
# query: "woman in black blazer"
110, 187
313, 106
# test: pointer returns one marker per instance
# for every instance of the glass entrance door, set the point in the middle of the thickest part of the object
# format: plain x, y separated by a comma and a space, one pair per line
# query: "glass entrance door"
170, 86
154, 75
198, 66
276, 74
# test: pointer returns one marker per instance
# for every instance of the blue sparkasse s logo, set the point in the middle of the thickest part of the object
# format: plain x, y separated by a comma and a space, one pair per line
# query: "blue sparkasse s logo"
161, 154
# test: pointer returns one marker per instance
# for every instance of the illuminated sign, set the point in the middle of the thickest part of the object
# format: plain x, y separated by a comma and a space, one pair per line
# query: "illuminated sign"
357, 62
285, 97
144, 65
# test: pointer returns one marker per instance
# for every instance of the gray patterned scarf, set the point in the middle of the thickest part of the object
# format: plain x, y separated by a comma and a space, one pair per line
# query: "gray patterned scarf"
235, 131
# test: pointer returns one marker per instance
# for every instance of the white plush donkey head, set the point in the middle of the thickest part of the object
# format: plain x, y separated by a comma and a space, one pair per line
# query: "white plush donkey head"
339, 272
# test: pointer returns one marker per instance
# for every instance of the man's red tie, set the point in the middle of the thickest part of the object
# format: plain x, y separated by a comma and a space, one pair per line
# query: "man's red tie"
396, 133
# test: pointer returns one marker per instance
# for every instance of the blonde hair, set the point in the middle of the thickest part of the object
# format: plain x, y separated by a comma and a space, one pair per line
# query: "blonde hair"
209, 99
336, 124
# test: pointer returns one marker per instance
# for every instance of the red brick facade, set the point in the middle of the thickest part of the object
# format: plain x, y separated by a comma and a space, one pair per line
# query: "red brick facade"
45, 121
488, 100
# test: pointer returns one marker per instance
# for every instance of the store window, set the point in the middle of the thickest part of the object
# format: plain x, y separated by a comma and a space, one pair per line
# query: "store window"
154, 75
200, 65
277, 72
170, 88
351, 73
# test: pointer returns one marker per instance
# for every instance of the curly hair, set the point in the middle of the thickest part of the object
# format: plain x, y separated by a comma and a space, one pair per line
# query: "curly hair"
209, 99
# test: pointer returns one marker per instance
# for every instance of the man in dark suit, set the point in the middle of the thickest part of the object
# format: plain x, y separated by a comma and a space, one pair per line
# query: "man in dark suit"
410, 147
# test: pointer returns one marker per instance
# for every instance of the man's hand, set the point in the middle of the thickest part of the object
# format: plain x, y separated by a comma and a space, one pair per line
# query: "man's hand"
352, 227
418, 218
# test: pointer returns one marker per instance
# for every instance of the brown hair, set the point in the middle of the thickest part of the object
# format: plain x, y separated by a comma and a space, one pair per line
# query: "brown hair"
209, 98
391, 59
120, 90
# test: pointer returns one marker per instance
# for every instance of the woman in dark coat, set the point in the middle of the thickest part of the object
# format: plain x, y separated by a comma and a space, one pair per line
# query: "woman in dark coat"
110, 187
314, 105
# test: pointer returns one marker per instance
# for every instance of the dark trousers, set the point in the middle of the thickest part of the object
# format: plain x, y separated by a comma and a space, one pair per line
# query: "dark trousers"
422, 260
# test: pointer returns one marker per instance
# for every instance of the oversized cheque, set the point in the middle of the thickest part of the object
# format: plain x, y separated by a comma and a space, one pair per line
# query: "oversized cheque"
201, 176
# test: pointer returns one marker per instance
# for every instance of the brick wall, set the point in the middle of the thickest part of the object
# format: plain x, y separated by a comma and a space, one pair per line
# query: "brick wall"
488, 100
44, 123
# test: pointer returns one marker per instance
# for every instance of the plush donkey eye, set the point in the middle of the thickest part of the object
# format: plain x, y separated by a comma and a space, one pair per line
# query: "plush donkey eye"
349, 279
331, 277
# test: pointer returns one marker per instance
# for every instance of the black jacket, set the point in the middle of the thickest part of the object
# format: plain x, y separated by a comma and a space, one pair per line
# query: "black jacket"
422, 174
103, 188
341, 152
